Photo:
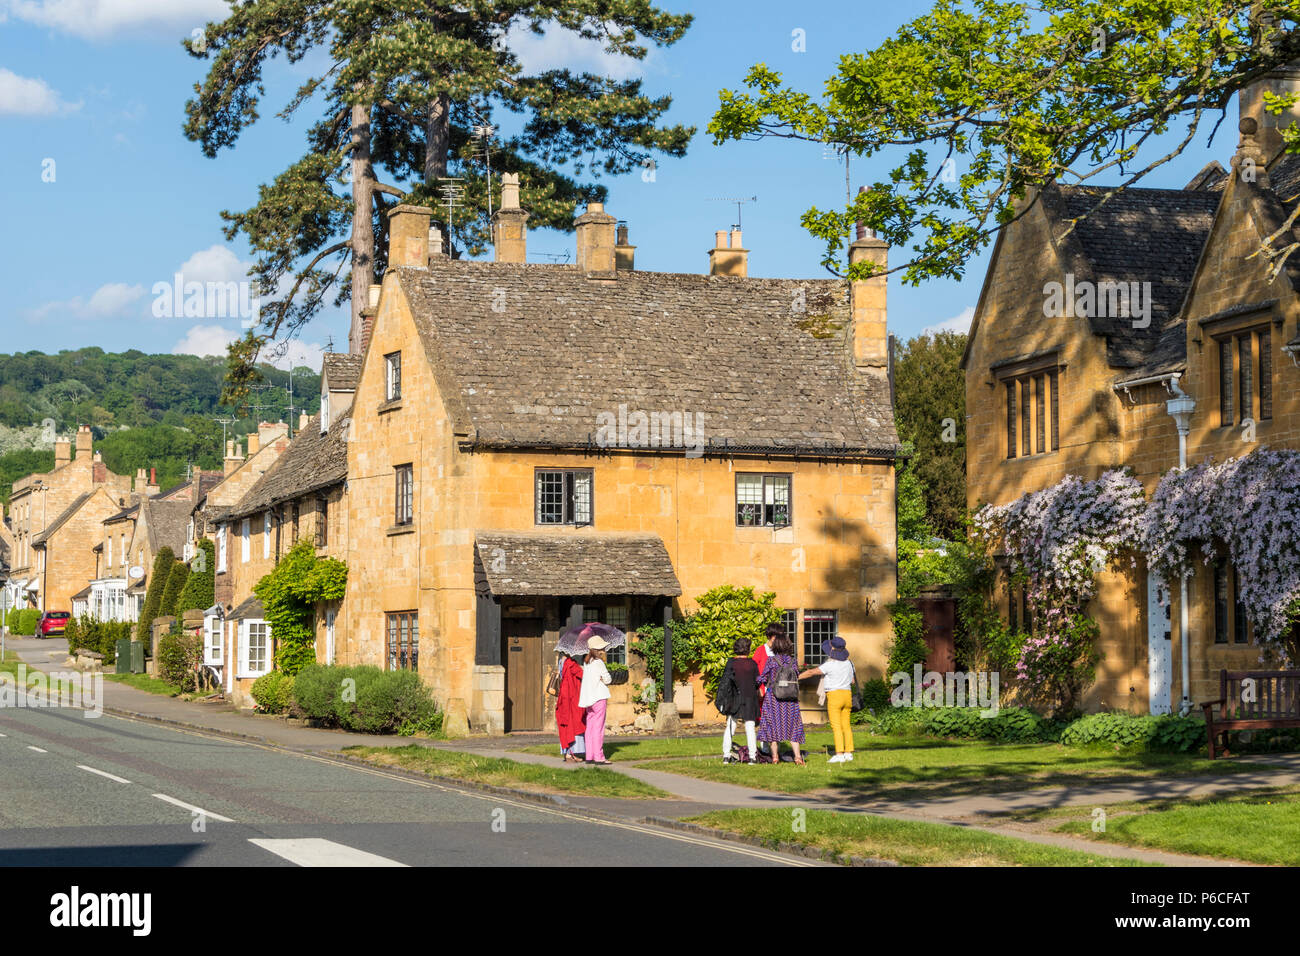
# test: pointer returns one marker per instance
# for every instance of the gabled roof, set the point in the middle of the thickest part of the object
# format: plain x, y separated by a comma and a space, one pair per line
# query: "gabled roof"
311, 463
342, 370
53, 527
167, 522
1139, 235
766, 363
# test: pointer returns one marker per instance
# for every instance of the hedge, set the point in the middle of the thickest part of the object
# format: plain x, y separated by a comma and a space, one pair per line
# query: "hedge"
23, 621
99, 636
273, 692
374, 702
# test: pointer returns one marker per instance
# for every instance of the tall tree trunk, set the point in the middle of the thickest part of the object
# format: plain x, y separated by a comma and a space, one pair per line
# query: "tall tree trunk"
437, 139
363, 234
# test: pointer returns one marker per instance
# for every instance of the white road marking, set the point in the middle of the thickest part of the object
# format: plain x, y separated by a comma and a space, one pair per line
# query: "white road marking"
37, 749
102, 773
4, 735
313, 851
208, 814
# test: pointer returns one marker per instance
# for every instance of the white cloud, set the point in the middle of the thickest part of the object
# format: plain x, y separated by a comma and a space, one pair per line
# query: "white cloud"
204, 340
108, 301
958, 323
27, 96
95, 19
214, 264
559, 49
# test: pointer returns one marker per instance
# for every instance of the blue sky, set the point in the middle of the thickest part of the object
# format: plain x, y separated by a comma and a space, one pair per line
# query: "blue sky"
92, 92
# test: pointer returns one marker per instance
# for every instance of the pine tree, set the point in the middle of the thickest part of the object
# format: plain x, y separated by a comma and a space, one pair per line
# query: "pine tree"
403, 87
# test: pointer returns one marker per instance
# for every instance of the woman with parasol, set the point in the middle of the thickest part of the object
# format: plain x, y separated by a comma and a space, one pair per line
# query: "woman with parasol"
594, 640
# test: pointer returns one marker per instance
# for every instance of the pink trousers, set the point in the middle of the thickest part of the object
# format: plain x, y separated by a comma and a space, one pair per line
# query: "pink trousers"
595, 735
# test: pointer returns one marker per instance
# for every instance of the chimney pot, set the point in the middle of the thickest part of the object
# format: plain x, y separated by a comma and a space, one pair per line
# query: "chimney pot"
869, 300
435, 244
372, 295
624, 253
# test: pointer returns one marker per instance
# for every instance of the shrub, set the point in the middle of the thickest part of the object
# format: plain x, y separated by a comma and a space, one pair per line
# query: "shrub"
1168, 733
365, 699
23, 621
179, 657
908, 647
273, 692
162, 563
72, 634
180, 573
199, 592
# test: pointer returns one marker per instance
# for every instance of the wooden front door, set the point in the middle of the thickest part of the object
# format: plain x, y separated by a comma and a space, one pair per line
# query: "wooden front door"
523, 659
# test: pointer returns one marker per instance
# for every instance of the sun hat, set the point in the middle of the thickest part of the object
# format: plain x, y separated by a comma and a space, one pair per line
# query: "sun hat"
836, 649
597, 644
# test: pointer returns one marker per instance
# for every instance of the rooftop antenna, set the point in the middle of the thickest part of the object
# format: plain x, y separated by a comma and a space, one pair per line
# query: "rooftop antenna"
453, 195
554, 256
483, 132
224, 423
739, 203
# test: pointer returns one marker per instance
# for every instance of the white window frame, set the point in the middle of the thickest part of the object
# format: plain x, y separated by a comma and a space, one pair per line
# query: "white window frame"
393, 383
108, 564
213, 640
245, 544
245, 638
221, 550
266, 536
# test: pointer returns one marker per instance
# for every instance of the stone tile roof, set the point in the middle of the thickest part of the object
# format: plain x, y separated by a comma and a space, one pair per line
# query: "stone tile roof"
1139, 235
53, 527
342, 370
312, 462
167, 522
531, 355
537, 563
250, 610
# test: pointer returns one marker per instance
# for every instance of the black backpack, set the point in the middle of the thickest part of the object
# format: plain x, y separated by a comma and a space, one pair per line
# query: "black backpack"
726, 695
785, 682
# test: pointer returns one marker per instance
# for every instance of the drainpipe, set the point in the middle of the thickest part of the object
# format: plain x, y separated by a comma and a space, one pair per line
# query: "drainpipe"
1180, 408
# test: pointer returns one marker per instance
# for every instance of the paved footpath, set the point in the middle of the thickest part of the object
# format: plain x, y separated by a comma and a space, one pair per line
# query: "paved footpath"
691, 796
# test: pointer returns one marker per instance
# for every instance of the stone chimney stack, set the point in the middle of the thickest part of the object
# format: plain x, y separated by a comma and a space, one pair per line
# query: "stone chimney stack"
436, 250
624, 254
1250, 105
233, 458
254, 442
408, 236
728, 257
153, 488
509, 232
868, 302
368, 317
85, 443
140, 482
596, 239
303, 419
62, 452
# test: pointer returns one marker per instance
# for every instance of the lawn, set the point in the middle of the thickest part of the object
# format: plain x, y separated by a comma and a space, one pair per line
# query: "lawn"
906, 767
654, 748
911, 843
1258, 827
498, 772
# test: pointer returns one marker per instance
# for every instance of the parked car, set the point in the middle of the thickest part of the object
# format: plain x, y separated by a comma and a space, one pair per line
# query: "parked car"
53, 623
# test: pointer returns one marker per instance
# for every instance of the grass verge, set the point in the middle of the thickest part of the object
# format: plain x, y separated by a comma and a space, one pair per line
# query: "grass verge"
912, 843
153, 685
498, 772
1256, 827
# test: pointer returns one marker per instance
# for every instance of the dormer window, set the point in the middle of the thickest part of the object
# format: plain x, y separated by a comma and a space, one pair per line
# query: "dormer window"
393, 367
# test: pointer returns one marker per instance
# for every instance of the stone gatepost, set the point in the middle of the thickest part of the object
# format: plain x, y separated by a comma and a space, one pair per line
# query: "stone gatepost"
488, 703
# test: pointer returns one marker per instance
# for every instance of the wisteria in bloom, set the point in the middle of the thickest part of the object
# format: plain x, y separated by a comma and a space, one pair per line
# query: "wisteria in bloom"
1058, 539
1247, 507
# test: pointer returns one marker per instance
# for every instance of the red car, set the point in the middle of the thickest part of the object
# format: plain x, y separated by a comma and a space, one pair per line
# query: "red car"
53, 623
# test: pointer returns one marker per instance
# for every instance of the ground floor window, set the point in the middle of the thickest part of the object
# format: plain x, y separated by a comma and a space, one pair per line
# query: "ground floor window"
403, 641
818, 626
212, 643
615, 615
257, 652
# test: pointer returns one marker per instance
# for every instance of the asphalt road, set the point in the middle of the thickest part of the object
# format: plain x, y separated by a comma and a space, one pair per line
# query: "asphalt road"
112, 791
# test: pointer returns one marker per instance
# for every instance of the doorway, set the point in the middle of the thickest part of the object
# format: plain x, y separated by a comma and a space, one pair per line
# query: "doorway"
522, 653
1160, 670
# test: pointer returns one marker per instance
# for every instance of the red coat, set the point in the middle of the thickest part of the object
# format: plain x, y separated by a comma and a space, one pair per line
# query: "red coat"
569, 719
760, 658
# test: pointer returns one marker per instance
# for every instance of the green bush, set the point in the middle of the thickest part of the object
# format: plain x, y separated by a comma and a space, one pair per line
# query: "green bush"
23, 621
1009, 725
908, 647
273, 692
199, 592
179, 655
161, 570
365, 699
1168, 733
176, 578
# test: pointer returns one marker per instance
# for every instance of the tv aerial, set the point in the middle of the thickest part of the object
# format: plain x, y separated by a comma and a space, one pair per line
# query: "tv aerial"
739, 204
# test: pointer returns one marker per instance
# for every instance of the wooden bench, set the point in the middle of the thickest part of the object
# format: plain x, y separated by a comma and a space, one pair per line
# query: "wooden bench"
1276, 704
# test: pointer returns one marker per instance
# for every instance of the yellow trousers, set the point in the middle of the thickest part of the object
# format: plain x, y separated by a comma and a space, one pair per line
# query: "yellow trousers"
839, 705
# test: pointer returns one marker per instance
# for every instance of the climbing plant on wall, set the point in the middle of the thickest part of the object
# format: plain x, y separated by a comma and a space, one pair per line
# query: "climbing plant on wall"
290, 594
